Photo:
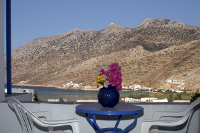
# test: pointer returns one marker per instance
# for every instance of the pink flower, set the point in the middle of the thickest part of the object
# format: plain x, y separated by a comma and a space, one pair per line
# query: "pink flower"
102, 72
114, 75
119, 87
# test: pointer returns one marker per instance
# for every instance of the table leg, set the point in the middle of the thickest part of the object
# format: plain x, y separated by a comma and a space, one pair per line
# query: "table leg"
117, 123
98, 130
131, 124
93, 124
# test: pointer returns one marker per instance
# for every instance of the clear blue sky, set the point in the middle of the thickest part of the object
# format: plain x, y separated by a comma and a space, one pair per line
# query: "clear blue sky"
38, 18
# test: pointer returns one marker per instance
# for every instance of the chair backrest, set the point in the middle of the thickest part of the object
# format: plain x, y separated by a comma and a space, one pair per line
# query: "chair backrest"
24, 116
191, 110
187, 114
192, 105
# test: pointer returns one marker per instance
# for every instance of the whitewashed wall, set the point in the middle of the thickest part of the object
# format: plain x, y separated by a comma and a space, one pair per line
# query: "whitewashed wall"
67, 111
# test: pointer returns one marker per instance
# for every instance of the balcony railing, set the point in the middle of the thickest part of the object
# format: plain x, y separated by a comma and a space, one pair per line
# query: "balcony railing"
59, 111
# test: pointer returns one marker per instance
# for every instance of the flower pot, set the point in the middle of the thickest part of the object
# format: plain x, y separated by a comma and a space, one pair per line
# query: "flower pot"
108, 97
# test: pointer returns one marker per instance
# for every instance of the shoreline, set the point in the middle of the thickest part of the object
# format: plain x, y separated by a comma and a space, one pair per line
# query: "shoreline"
53, 86
71, 88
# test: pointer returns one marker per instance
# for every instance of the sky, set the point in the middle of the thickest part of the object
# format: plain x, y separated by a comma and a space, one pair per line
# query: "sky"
38, 18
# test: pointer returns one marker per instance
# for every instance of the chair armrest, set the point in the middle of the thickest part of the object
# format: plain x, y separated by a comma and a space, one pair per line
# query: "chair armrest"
160, 114
55, 123
61, 122
43, 114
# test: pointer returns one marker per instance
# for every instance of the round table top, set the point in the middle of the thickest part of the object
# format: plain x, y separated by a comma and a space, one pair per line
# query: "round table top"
119, 109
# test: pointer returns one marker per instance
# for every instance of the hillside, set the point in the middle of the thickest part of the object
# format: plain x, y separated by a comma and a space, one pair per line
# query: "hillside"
156, 50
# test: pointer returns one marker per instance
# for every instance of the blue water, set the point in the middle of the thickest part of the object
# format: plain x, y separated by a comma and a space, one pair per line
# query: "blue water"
71, 95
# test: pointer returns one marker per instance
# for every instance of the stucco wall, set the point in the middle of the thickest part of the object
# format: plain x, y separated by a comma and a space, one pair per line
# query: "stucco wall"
67, 111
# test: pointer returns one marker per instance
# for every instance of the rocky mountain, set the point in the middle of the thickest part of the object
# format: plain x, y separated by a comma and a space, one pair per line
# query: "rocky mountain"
156, 50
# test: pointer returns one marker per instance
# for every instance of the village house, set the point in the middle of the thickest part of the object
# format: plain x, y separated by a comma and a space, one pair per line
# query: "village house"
135, 87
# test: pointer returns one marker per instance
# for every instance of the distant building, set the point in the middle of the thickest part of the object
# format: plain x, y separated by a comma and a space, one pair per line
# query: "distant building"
123, 87
87, 87
22, 82
146, 88
131, 100
160, 100
148, 99
179, 91
20, 90
68, 84
173, 81
56, 100
135, 87
76, 85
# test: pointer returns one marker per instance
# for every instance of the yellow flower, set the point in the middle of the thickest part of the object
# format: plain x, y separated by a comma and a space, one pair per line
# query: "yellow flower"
101, 79
104, 80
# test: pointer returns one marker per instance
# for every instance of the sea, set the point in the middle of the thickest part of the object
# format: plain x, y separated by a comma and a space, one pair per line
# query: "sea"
45, 93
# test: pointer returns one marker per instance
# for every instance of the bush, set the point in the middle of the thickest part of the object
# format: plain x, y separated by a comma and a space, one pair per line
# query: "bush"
195, 96
61, 99
170, 99
160, 90
35, 97
178, 96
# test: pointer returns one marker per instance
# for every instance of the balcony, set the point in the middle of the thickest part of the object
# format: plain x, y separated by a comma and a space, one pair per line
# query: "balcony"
9, 122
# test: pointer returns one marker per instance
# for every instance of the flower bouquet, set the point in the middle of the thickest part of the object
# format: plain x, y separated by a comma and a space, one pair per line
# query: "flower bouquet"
111, 80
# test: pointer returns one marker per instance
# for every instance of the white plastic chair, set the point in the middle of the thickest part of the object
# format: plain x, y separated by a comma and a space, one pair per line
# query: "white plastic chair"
26, 118
183, 117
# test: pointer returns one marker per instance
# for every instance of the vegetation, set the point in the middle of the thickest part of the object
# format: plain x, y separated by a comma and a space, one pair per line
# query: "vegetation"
171, 96
170, 99
138, 96
195, 96
35, 97
178, 96
61, 99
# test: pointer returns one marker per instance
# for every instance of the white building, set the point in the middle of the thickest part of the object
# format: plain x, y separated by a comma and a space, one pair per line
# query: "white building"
87, 87
68, 84
148, 99
56, 100
160, 100
173, 81
135, 87
131, 100
123, 87
76, 85
146, 88
177, 91
20, 90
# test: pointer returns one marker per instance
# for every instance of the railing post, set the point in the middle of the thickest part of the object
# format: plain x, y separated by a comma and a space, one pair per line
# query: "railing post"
8, 46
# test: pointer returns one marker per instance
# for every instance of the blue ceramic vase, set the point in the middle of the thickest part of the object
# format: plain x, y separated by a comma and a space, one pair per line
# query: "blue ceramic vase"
108, 97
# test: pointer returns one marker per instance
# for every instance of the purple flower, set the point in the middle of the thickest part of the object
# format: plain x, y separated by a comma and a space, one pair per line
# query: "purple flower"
102, 72
114, 75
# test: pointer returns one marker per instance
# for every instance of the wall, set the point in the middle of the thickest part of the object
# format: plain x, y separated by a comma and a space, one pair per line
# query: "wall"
66, 111
2, 94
